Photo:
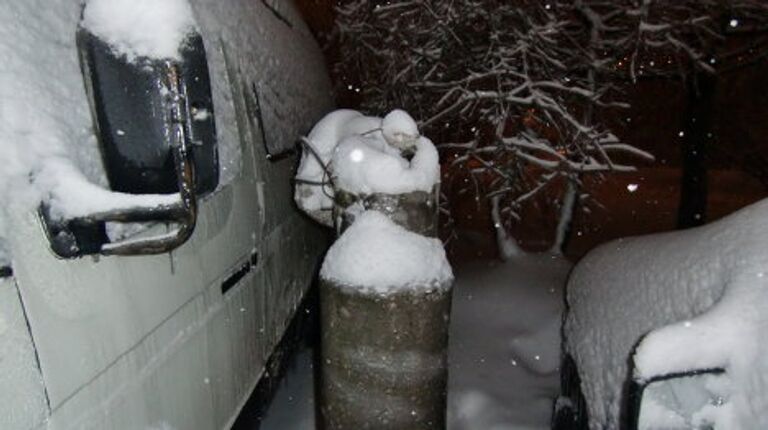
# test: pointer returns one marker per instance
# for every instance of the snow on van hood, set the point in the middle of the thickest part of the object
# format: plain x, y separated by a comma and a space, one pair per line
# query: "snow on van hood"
702, 294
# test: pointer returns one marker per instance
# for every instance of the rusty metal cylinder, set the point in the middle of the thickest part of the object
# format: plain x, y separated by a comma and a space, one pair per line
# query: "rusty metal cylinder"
416, 211
384, 356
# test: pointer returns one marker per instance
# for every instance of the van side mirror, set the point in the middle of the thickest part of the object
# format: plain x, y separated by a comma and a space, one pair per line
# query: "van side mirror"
157, 135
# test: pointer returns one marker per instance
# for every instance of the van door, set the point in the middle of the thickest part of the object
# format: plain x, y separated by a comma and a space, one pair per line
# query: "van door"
24, 406
179, 340
128, 339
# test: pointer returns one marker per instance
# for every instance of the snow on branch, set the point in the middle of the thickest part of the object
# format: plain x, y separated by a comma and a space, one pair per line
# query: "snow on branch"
523, 84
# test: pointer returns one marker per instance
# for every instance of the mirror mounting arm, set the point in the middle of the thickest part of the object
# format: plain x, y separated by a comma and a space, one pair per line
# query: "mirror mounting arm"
183, 212
145, 114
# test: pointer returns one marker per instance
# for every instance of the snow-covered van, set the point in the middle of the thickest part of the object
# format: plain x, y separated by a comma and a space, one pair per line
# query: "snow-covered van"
152, 256
669, 331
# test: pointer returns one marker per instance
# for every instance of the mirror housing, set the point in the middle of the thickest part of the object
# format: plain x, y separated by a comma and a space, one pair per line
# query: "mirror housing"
135, 109
673, 401
157, 135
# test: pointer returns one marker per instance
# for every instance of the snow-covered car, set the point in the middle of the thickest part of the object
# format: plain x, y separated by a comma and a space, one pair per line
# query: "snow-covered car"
668, 331
151, 254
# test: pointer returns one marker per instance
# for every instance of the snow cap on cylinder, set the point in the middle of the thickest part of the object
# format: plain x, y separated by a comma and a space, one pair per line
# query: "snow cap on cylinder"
376, 255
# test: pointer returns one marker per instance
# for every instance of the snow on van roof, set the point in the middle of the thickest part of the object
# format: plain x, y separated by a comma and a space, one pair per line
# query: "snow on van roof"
141, 28
376, 255
701, 297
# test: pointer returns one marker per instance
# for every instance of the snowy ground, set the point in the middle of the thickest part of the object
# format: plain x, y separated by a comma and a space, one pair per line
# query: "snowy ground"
294, 404
505, 344
504, 351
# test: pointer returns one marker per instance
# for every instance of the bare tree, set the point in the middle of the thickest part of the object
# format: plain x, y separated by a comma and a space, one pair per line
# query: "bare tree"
685, 40
517, 89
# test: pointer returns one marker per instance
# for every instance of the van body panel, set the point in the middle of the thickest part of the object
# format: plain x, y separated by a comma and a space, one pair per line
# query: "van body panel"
179, 341
24, 404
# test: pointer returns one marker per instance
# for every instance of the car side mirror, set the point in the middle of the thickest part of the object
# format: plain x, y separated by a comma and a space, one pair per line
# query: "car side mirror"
155, 123
686, 400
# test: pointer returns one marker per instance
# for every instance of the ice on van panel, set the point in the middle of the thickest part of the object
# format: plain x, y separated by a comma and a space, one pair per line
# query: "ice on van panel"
363, 155
375, 255
701, 296
141, 28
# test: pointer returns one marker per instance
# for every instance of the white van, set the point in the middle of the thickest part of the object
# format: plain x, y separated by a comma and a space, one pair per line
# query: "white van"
168, 321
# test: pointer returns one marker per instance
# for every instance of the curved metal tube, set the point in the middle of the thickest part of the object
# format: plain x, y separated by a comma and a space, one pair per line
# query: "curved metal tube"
185, 213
